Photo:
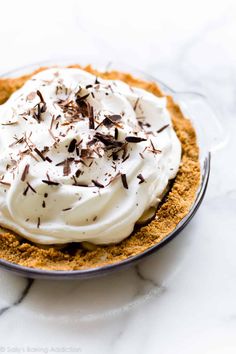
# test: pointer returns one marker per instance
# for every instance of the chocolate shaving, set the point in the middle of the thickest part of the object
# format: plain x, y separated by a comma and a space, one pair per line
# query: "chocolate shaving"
66, 209
114, 178
18, 141
25, 172
78, 173
48, 159
114, 155
143, 125
163, 128
126, 158
110, 120
80, 142
153, 147
30, 187
41, 107
134, 139
141, 178
45, 149
83, 108
81, 185
91, 119
141, 155
73, 109
107, 140
52, 121
38, 223
74, 184
77, 151
91, 142
40, 96
66, 168
72, 145
154, 150
39, 153
136, 103
116, 133
9, 123
43, 204
36, 114
5, 183
124, 180
50, 183
26, 190
60, 163
110, 87
98, 184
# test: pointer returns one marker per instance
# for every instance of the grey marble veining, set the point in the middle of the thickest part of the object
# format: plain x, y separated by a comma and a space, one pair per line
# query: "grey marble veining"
19, 298
182, 299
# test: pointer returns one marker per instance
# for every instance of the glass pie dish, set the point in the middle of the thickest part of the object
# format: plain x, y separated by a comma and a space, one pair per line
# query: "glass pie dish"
210, 137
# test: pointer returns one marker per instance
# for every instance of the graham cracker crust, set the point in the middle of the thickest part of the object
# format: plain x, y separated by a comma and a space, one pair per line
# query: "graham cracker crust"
175, 206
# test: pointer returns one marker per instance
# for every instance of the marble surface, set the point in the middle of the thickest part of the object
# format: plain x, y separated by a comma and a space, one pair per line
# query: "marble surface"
182, 300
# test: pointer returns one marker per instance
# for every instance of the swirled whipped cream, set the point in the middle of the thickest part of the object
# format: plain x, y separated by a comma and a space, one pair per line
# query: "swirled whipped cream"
82, 158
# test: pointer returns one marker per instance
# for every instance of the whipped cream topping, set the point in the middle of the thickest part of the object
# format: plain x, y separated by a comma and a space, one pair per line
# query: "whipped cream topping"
82, 158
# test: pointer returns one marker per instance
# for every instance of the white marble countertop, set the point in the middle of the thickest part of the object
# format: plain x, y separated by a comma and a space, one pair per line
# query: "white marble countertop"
182, 300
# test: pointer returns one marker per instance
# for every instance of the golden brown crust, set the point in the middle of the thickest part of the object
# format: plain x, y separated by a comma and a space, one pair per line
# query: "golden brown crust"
175, 206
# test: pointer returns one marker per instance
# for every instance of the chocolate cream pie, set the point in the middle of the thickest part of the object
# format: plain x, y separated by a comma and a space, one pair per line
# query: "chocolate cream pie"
94, 167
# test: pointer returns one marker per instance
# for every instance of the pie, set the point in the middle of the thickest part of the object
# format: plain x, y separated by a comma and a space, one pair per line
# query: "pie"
95, 167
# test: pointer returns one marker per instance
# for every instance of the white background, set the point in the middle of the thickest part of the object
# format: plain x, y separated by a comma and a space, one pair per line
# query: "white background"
183, 299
